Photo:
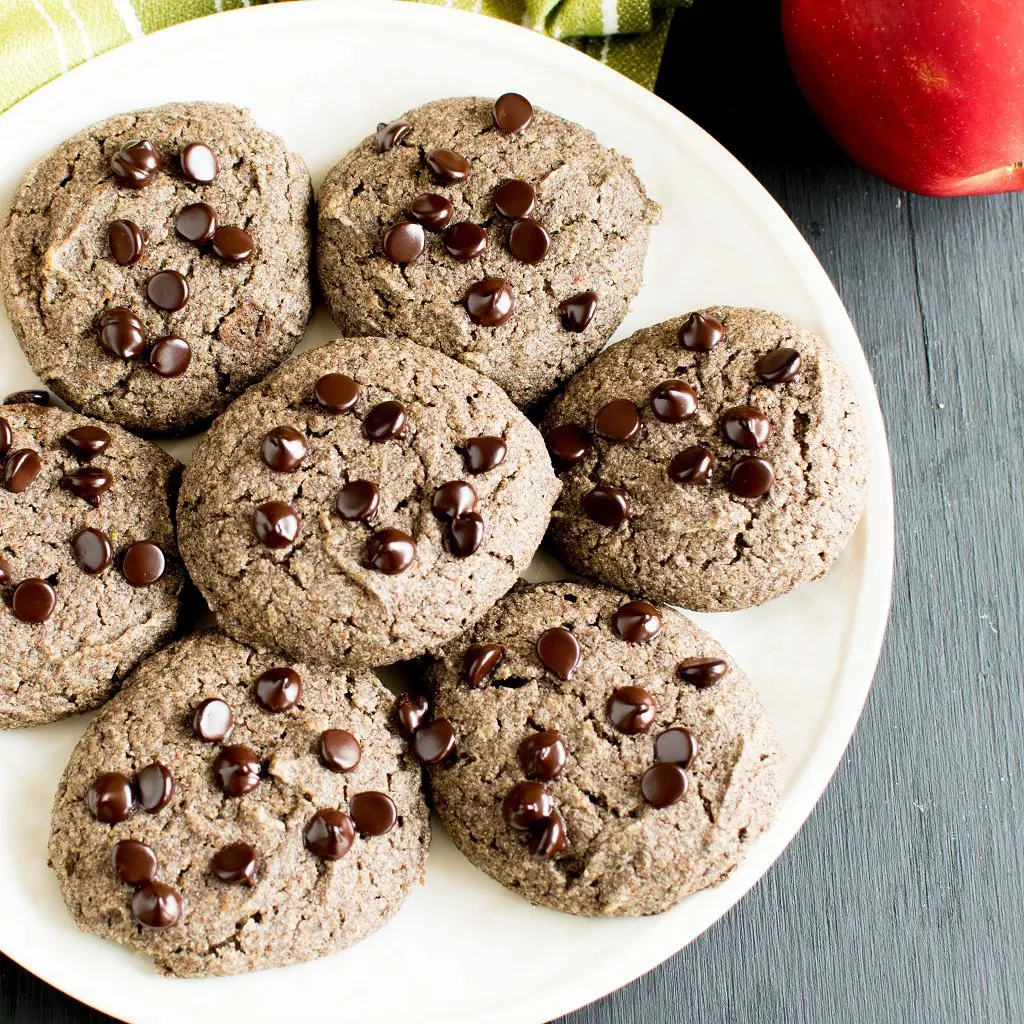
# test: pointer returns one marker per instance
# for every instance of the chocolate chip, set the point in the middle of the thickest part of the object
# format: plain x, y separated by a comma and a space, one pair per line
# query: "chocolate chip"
542, 755
275, 524
465, 534
664, 784
411, 709
617, 421
607, 506
526, 805
121, 333
110, 798
751, 477
559, 651
236, 770
577, 312
529, 241
170, 356
196, 223
637, 622
391, 551
30, 396
447, 167
20, 469
479, 661
515, 199
692, 465
33, 601
6, 437
385, 421
374, 814
198, 163
465, 241
213, 720
232, 244
87, 442
283, 449
779, 366
568, 443
339, 750
631, 709
87, 483
278, 689
453, 499
403, 242
549, 838
156, 905
702, 672
676, 746
701, 333
390, 135
143, 563
484, 453
167, 290
236, 864
673, 401
134, 863
512, 113
358, 501
124, 238
136, 165
336, 393
434, 741
92, 551
431, 211
155, 786
5, 571
329, 834
745, 426
490, 302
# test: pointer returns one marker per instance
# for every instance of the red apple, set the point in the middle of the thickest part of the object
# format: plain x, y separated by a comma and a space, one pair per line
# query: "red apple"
927, 94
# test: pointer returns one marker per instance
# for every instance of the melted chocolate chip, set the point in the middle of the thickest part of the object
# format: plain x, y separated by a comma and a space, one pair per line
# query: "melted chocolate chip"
484, 453
278, 689
701, 333
92, 551
33, 601
673, 401
751, 477
156, 905
453, 499
236, 864
87, 483
568, 443
490, 302
465, 241
143, 564
198, 163
692, 465
617, 421
676, 746
664, 784
87, 442
5, 571
512, 113
124, 238
559, 652
434, 741
6, 437
745, 426
196, 223
134, 863
155, 786
213, 720
275, 524
637, 622
447, 167
391, 551
170, 356
237, 769
339, 750
121, 333
30, 396
702, 672
403, 242
167, 290
542, 756
549, 838
529, 241
431, 211
779, 366
390, 135
336, 393
577, 312
21, 469
607, 506
232, 244
479, 661
631, 709
465, 534
411, 710
329, 834
110, 798
136, 165
283, 449
358, 501
515, 199
527, 805
374, 814
385, 421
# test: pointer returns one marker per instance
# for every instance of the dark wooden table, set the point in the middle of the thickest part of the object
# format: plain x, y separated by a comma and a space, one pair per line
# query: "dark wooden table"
902, 899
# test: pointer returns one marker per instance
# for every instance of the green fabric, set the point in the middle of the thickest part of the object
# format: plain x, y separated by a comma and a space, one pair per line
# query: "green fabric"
40, 39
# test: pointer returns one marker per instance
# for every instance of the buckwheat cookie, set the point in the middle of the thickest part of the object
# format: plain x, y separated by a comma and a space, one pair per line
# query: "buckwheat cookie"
158, 263
90, 576
230, 811
713, 461
595, 754
504, 236
367, 502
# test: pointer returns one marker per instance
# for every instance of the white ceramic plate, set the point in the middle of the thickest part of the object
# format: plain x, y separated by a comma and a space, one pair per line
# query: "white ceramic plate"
462, 950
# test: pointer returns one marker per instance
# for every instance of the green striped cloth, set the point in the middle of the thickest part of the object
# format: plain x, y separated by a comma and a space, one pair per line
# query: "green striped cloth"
39, 39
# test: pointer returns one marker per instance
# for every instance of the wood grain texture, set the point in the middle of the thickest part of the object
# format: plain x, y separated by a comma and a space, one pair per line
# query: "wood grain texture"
902, 899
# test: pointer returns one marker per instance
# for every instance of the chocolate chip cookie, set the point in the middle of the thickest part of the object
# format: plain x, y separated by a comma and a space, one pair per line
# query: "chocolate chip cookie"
230, 810
596, 754
367, 502
502, 235
157, 264
713, 461
90, 576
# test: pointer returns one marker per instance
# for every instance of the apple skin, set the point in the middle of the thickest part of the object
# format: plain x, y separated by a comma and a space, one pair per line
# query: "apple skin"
926, 94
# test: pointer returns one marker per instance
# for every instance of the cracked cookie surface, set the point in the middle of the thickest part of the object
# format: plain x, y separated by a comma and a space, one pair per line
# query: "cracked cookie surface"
692, 540
621, 855
587, 198
58, 273
301, 905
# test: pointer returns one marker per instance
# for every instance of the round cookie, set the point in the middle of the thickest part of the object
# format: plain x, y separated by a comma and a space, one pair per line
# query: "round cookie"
367, 502
90, 577
609, 757
713, 461
281, 818
514, 249
158, 263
